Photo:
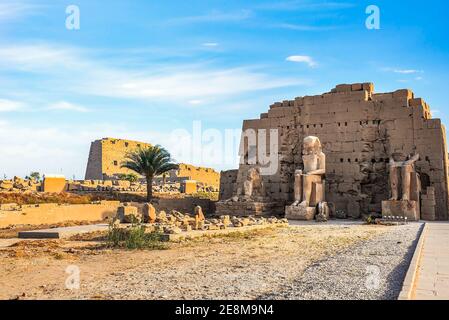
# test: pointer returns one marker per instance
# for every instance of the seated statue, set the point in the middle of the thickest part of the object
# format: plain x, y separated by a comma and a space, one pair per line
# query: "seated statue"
402, 170
314, 169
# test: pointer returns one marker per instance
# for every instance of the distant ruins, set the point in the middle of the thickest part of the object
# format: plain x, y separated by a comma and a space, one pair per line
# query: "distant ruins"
363, 134
106, 156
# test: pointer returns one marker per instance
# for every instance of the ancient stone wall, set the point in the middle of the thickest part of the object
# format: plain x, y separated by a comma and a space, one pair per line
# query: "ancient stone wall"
207, 176
56, 213
106, 156
228, 180
359, 131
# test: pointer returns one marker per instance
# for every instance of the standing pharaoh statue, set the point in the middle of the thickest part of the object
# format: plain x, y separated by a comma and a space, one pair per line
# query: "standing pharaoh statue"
405, 185
401, 170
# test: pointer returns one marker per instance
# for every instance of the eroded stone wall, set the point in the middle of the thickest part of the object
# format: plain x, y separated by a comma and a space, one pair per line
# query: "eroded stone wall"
228, 180
359, 130
51, 213
106, 156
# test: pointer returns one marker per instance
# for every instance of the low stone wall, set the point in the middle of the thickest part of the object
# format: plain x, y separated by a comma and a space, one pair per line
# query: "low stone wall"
54, 213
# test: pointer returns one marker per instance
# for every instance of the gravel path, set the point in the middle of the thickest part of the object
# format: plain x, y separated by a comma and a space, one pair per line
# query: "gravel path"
372, 270
316, 261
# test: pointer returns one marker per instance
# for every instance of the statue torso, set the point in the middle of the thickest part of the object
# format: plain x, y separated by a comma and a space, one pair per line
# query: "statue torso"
310, 162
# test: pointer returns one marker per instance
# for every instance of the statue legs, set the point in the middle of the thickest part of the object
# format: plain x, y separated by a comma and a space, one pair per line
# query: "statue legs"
298, 187
307, 186
394, 183
406, 178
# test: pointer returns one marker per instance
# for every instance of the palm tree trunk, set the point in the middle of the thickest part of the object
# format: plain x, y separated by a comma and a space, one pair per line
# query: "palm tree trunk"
149, 188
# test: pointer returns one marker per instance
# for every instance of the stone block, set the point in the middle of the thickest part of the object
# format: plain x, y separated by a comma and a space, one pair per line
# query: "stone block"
343, 88
54, 184
401, 208
368, 87
357, 87
428, 213
403, 94
189, 186
149, 213
417, 102
128, 214
300, 213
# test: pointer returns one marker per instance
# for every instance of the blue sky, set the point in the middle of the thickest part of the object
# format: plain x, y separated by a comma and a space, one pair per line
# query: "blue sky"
141, 69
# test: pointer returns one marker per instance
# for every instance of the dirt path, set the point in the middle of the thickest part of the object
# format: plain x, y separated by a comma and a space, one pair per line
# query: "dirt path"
233, 267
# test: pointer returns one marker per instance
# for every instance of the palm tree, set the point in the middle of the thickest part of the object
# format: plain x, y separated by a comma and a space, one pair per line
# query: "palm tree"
149, 162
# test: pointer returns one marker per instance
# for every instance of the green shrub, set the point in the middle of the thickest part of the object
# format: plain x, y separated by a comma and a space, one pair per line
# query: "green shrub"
131, 177
370, 219
213, 196
134, 237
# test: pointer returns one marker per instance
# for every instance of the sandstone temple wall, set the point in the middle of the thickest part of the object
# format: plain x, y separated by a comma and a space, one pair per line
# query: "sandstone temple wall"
51, 213
206, 176
106, 156
228, 180
359, 130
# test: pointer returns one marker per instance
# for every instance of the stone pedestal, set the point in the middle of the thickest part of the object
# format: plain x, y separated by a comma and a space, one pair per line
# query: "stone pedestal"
401, 208
300, 213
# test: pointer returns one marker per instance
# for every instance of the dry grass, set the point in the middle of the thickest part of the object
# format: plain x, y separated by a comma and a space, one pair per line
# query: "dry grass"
39, 197
22, 198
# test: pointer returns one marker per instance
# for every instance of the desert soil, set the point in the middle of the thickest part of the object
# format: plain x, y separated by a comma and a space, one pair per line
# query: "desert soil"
272, 263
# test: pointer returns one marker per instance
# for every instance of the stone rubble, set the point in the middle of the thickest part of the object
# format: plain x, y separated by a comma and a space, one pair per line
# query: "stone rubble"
29, 185
176, 222
20, 185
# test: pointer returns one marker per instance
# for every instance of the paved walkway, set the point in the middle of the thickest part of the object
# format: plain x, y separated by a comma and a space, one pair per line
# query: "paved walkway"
432, 280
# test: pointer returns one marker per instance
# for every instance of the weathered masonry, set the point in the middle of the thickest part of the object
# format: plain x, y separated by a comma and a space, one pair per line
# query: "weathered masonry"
106, 156
360, 131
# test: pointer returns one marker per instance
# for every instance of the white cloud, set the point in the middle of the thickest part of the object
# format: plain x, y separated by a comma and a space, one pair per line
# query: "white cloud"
406, 71
9, 105
303, 27
403, 71
11, 10
302, 59
306, 5
62, 149
195, 102
210, 44
81, 72
67, 106
213, 16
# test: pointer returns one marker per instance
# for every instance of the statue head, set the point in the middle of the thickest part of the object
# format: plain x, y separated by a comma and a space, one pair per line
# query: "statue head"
311, 145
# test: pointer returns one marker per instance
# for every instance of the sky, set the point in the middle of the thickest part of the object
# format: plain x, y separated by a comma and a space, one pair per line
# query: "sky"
157, 71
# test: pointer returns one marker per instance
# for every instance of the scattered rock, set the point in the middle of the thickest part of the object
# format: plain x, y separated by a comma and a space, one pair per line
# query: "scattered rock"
323, 212
199, 213
149, 213
128, 214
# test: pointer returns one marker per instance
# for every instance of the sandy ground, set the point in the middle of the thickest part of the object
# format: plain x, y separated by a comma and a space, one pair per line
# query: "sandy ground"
234, 267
